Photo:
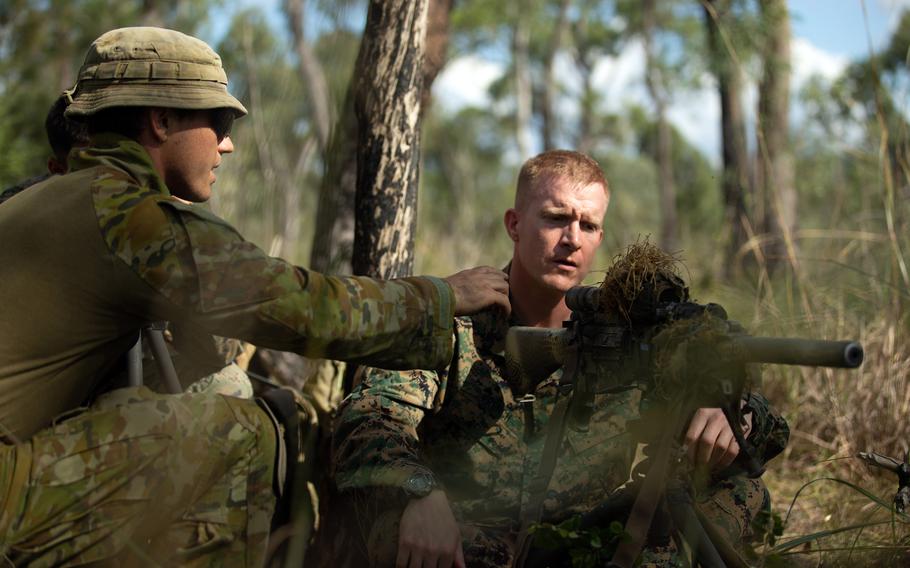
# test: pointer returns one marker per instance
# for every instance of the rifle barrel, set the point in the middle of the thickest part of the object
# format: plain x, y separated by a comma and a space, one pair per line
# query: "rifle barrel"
793, 351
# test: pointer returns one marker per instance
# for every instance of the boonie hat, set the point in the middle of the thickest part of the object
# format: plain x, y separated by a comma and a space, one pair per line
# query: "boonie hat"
146, 66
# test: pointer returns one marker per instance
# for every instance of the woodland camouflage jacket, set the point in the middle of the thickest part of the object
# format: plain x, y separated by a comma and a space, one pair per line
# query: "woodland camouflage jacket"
91, 256
468, 428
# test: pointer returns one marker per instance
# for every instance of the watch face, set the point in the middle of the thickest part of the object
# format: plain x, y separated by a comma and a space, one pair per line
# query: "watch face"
420, 484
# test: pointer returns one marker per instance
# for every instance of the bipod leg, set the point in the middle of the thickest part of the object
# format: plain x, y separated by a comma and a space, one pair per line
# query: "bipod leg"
682, 511
648, 498
155, 334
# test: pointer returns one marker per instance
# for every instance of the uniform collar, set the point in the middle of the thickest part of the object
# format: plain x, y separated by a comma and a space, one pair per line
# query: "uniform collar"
120, 152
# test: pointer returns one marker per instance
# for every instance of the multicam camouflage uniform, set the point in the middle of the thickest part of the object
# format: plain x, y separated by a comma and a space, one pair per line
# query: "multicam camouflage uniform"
467, 427
102, 251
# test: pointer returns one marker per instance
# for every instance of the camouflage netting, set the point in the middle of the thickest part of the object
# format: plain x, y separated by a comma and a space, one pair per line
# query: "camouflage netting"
639, 278
702, 340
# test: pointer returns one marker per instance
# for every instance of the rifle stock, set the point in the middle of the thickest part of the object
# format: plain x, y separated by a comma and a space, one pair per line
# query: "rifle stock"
532, 355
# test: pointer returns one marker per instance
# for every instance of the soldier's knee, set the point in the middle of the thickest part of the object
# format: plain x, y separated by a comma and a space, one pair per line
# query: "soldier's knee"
733, 504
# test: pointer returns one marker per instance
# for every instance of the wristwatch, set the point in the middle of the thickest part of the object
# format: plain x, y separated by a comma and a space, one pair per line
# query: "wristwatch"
420, 484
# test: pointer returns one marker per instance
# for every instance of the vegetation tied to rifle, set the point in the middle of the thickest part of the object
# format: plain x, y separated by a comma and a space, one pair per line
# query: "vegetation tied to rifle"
639, 278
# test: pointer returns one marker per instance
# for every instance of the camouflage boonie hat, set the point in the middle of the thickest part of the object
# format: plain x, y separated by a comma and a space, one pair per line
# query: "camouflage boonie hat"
153, 67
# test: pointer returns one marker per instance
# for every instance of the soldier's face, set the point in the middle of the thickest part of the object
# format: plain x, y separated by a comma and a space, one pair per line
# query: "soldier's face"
196, 142
557, 231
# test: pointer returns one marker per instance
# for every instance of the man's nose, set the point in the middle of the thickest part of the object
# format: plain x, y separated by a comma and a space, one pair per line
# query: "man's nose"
226, 146
571, 235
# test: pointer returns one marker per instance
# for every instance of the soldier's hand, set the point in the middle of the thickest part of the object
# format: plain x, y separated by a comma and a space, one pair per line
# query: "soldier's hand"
428, 535
709, 439
479, 288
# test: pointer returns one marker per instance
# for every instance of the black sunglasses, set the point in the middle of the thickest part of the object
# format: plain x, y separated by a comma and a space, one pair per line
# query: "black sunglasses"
222, 120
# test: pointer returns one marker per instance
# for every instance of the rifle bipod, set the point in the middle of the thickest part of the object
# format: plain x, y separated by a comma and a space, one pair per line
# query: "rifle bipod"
676, 518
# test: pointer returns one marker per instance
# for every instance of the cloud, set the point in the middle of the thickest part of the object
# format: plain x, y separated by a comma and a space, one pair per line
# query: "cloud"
620, 81
465, 81
807, 60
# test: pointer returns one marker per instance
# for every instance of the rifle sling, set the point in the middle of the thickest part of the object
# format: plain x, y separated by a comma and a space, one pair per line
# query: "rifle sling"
648, 498
537, 489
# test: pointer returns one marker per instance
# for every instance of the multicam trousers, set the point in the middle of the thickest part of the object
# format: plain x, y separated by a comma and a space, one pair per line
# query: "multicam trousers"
142, 479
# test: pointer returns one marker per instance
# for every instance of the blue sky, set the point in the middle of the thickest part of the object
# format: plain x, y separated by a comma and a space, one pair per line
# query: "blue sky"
837, 26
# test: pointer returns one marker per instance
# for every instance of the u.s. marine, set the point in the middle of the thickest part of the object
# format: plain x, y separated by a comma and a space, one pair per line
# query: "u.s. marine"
437, 466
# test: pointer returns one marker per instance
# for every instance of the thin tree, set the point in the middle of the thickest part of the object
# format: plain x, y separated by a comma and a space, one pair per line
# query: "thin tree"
778, 192
657, 90
550, 89
735, 177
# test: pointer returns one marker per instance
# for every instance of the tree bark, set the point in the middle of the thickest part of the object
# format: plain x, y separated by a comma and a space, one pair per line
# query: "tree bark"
663, 152
389, 82
333, 238
775, 157
735, 177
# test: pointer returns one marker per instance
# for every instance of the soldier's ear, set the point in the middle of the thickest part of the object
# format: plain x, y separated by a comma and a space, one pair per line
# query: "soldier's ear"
157, 121
510, 220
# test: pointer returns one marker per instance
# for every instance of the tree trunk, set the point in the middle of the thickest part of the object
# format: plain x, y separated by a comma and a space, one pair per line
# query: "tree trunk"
775, 158
333, 238
389, 80
521, 39
735, 177
663, 152
312, 73
437, 47
550, 94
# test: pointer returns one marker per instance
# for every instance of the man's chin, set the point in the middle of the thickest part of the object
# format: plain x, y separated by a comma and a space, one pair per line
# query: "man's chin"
560, 283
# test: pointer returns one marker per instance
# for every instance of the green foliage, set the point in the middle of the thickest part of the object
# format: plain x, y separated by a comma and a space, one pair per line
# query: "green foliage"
697, 195
586, 548
466, 184
770, 525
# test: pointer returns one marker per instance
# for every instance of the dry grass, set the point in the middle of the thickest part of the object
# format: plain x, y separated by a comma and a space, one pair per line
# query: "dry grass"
638, 279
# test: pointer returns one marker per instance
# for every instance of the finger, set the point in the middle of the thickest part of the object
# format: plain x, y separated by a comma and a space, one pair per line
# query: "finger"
747, 424
729, 456
721, 447
706, 443
694, 433
417, 560
459, 557
497, 281
446, 559
401, 561
502, 300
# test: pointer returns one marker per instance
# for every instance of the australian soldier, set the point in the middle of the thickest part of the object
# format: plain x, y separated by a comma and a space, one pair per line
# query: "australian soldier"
437, 464
91, 256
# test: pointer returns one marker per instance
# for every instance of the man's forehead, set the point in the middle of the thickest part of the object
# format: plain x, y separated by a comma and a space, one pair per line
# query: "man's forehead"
561, 192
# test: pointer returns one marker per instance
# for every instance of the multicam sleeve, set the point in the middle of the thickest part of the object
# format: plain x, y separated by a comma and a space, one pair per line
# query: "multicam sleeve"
234, 289
376, 441
770, 431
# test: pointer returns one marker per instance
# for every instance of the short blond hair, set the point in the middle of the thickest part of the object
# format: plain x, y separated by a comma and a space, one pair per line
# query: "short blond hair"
574, 166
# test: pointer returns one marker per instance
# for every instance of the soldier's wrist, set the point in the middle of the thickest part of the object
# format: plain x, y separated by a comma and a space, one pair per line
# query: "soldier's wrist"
419, 485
